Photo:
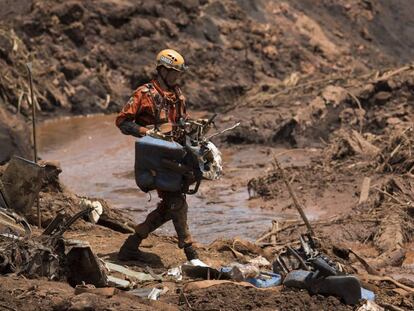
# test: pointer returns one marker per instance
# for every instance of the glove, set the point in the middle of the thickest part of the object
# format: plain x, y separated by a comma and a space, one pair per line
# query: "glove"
155, 134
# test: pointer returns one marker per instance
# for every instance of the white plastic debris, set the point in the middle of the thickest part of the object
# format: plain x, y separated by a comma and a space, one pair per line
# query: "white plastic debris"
370, 306
118, 283
259, 261
240, 272
150, 293
97, 211
175, 273
140, 276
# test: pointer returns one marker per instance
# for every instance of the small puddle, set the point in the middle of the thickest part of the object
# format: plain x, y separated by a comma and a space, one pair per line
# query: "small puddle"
98, 161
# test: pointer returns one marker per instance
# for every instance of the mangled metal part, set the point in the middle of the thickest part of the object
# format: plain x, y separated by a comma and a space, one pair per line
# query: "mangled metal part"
82, 265
197, 269
209, 159
306, 257
140, 276
49, 255
347, 287
22, 181
3, 202
312, 270
55, 259
8, 223
119, 283
149, 293
15, 222
62, 222
29, 257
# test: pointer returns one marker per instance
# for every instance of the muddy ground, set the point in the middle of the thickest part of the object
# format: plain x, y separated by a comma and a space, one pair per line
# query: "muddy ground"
332, 80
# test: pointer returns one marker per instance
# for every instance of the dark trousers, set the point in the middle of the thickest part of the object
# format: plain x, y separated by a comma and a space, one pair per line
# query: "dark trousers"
173, 206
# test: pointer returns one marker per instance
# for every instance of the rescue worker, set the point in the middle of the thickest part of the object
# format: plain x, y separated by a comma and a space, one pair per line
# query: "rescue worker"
151, 105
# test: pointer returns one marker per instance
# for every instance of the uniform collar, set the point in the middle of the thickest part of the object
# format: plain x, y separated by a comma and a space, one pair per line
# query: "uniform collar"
159, 88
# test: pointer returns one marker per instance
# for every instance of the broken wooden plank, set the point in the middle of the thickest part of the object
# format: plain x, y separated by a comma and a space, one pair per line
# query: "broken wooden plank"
366, 183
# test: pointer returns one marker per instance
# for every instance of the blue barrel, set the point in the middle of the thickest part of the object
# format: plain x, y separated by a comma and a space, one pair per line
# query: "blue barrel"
150, 173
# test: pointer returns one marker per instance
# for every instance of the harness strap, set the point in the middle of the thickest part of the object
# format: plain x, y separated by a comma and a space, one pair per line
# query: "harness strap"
156, 108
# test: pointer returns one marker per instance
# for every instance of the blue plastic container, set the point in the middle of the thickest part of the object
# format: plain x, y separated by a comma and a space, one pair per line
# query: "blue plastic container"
367, 294
150, 173
265, 280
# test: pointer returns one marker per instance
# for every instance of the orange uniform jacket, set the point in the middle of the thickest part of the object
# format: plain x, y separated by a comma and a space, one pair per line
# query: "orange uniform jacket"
146, 101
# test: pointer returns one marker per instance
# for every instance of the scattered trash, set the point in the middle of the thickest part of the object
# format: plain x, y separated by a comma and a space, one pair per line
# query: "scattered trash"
11, 222
265, 280
175, 273
82, 265
30, 258
259, 261
140, 276
50, 255
241, 272
21, 181
370, 306
209, 283
150, 293
202, 271
118, 283
307, 268
347, 287
367, 294
96, 209
251, 274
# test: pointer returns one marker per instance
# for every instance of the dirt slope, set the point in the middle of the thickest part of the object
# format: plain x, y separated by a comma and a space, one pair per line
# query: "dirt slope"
89, 55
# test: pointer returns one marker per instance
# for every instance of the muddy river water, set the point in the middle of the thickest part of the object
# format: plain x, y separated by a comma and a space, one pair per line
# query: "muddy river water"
98, 161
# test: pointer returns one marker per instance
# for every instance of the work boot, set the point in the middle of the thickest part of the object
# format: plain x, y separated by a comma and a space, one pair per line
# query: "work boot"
129, 250
190, 253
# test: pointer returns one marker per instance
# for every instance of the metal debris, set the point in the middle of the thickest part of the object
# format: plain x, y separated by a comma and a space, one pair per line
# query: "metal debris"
22, 181
140, 276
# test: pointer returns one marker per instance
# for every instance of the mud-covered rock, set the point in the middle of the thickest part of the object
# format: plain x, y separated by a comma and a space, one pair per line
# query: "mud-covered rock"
76, 32
6, 47
14, 137
83, 100
72, 70
382, 98
69, 12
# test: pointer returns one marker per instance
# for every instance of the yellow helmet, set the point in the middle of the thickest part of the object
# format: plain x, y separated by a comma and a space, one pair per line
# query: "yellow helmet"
171, 59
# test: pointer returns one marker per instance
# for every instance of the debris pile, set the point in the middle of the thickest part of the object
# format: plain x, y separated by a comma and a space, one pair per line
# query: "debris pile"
396, 156
364, 128
392, 206
50, 255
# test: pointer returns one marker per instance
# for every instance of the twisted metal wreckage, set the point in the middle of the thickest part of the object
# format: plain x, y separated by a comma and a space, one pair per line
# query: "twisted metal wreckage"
48, 255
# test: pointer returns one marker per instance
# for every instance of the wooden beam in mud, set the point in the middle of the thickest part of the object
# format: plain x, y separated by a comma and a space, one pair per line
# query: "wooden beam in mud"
293, 196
